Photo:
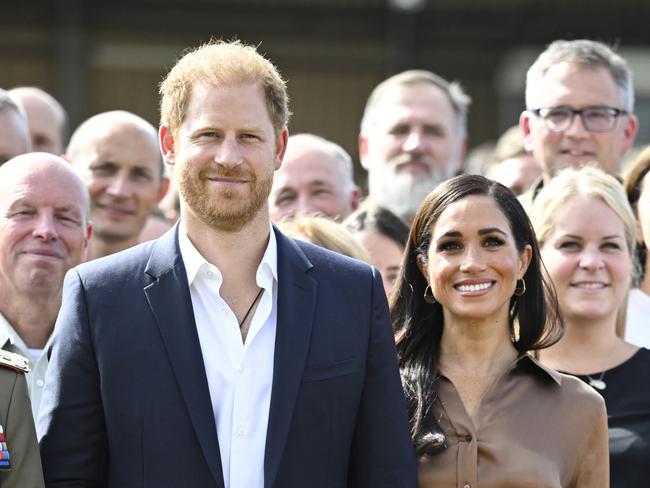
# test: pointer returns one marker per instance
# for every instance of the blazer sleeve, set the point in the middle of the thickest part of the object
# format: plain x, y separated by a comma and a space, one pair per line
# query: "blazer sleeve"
593, 466
382, 452
21, 440
71, 425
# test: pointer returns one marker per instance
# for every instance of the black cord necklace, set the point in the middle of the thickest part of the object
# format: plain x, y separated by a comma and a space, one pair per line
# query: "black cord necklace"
243, 321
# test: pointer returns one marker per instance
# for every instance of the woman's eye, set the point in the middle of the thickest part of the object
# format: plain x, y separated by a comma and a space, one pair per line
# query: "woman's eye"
569, 245
612, 246
448, 246
493, 241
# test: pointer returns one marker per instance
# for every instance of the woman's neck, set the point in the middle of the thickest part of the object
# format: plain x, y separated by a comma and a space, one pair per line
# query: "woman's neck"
476, 347
588, 346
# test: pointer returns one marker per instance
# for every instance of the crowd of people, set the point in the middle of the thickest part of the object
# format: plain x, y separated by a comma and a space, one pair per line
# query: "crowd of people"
214, 303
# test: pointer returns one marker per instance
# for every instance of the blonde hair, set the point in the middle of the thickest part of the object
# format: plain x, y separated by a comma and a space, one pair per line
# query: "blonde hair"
222, 63
325, 233
589, 181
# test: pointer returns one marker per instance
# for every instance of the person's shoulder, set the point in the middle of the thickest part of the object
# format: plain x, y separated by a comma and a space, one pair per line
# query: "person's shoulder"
527, 199
125, 262
577, 392
330, 260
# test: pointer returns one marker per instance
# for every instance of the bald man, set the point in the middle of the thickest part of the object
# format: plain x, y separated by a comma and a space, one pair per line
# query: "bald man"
117, 155
44, 231
46, 118
14, 131
315, 178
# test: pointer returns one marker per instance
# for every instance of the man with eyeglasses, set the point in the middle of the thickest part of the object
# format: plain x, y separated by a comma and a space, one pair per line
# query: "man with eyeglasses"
579, 109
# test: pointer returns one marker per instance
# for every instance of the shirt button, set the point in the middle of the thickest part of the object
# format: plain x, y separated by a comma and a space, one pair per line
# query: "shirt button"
209, 273
240, 369
467, 486
468, 438
241, 431
40, 383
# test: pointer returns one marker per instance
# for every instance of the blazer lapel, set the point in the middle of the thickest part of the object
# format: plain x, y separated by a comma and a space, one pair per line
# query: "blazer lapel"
170, 301
296, 304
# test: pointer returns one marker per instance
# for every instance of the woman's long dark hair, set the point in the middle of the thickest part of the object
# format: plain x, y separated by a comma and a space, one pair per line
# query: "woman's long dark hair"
418, 324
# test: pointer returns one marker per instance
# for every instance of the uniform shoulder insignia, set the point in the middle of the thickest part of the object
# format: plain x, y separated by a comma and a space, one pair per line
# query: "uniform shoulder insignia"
14, 361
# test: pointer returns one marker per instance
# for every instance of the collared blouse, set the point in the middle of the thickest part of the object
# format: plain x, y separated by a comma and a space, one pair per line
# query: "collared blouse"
534, 428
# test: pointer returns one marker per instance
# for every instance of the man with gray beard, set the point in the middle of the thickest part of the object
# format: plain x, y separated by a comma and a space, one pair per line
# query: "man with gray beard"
413, 136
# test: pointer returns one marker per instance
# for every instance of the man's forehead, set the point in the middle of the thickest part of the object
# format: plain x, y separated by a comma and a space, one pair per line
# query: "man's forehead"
426, 101
42, 188
310, 167
122, 153
575, 85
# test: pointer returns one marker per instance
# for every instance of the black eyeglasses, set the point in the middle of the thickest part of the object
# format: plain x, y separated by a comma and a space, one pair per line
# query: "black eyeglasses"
594, 119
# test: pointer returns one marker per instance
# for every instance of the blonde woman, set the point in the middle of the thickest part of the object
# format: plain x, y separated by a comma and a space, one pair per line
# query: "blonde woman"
586, 231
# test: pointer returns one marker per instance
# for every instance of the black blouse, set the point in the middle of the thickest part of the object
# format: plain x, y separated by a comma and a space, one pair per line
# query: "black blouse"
627, 397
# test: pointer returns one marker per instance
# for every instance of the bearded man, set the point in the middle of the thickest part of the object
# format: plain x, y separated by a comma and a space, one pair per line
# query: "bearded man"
413, 136
263, 361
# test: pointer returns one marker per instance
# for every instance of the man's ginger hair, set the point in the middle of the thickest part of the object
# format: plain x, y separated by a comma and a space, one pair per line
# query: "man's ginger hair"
222, 63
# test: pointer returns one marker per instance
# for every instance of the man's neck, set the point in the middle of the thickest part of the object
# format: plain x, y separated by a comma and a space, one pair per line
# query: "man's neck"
98, 248
32, 317
237, 254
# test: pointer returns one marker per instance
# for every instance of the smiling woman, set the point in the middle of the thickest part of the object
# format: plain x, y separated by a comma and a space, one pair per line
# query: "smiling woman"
470, 302
587, 232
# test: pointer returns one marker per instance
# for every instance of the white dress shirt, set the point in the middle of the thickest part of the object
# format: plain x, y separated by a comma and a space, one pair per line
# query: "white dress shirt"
240, 374
12, 342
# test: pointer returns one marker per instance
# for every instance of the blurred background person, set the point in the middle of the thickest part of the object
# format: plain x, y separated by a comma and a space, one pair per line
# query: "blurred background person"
587, 234
579, 109
511, 165
46, 117
117, 155
637, 188
413, 136
470, 302
384, 237
316, 178
14, 130
325, 233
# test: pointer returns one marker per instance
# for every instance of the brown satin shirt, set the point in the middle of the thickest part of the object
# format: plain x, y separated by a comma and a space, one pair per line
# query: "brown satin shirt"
534, 428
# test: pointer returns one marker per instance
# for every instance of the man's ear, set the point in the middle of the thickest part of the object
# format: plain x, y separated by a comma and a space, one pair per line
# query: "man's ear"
630, 131
281, 147
524, 126
86, 242
363, 152
355, 198
166, 141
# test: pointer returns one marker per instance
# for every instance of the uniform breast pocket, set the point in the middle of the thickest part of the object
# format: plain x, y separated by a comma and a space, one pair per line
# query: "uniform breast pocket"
328, 371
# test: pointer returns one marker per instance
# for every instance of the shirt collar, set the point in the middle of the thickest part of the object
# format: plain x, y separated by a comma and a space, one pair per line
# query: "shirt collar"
9, 336
535, 365
267, 271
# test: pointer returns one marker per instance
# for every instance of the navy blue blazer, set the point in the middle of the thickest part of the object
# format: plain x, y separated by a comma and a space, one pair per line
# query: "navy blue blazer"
126, 401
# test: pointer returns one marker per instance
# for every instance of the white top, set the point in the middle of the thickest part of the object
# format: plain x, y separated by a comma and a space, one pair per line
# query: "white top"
637, 321
239, 374
12, 342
